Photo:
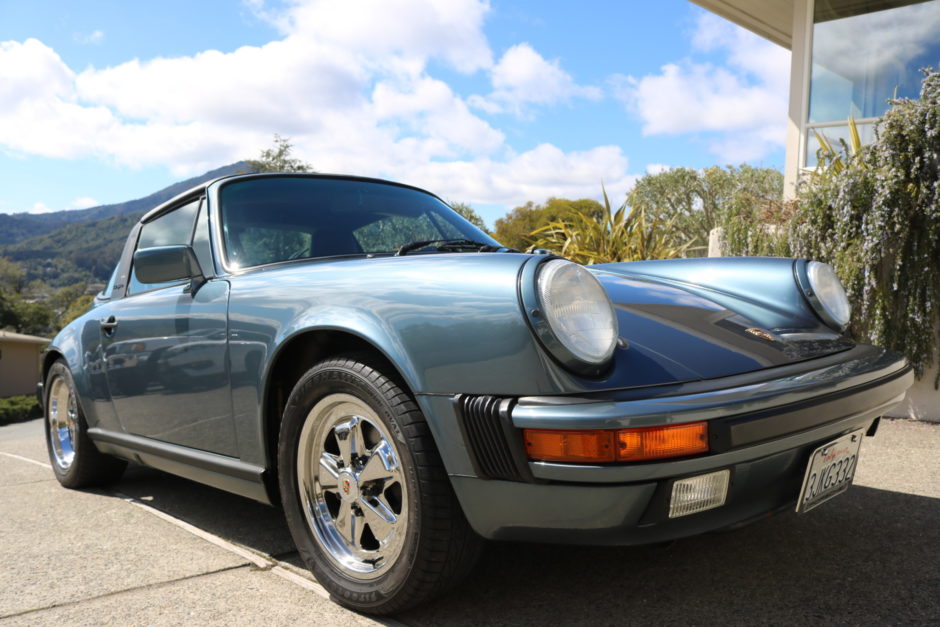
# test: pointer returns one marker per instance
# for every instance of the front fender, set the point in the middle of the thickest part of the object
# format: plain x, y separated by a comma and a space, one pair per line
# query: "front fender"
449, 323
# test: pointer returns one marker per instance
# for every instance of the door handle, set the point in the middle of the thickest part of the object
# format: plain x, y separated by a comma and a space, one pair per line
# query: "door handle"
108, 325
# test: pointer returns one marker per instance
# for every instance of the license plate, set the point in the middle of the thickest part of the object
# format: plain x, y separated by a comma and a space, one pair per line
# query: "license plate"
830, 471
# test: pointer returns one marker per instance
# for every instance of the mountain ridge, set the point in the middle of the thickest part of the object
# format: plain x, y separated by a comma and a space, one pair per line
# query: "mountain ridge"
66, 247
17, 227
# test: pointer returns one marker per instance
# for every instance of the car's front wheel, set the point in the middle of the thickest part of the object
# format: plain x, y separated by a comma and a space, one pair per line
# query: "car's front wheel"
365, 495
75, 460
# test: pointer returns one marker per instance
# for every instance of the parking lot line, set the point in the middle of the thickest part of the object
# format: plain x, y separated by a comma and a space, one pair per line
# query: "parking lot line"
26, 459
260, 561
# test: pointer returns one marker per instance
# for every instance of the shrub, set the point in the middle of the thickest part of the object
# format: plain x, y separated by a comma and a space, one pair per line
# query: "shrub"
18, 408
877, 221
758, 229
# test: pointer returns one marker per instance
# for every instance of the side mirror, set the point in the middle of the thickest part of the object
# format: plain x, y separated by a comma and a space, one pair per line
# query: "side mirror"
163, 264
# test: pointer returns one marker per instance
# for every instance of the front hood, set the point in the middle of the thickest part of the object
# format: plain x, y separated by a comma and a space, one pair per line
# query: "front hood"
675, 335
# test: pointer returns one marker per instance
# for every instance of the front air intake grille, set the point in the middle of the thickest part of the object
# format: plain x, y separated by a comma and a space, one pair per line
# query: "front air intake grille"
495, 446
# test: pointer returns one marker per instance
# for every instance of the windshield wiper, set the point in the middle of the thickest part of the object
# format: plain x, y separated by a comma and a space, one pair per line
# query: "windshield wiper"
443, 244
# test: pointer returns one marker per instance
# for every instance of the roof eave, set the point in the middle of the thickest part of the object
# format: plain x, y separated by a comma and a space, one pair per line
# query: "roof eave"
771, 19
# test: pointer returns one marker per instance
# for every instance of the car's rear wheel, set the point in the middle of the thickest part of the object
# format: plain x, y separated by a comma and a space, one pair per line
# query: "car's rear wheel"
364, 492
75, 460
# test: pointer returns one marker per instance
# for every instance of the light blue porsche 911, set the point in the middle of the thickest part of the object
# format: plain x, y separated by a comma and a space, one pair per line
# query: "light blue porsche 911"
403, 386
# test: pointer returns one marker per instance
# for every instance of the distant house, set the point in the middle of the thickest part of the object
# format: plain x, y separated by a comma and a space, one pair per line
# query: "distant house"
19, 363
848, 58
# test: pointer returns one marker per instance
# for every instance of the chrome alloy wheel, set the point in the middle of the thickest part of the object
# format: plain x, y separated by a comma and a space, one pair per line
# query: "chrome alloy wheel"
352, 487
62, 422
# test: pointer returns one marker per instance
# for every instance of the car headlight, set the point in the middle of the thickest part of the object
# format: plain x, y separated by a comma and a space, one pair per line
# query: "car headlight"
573, 317
825, 293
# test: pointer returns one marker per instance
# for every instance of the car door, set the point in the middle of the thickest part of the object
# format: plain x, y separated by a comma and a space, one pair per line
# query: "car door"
165, 346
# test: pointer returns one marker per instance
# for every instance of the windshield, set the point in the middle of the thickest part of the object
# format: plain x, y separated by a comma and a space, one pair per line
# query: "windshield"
272, 219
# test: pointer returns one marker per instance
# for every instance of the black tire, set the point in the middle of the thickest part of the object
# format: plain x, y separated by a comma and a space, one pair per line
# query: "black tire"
337, 408
76, 462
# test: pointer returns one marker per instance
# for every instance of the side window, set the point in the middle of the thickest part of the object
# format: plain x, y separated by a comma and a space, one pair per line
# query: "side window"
201, 245
170, 229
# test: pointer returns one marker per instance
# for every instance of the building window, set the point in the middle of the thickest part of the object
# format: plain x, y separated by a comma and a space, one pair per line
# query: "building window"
863, 53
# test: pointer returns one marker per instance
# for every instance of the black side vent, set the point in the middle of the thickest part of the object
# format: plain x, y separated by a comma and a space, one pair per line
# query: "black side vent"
495, 446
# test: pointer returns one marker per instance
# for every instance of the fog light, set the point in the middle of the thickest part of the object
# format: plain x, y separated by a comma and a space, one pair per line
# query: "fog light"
697, 494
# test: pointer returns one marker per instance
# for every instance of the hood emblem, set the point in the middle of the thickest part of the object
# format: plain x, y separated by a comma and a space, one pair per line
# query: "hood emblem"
762, 334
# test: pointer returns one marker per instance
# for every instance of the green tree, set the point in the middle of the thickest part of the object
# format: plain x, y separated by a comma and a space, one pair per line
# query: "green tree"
11, 276
68, 303
17, 311
697, 201
279, 159
877, 221
75, 308
469, 214
33, 318
8, 315
515, 228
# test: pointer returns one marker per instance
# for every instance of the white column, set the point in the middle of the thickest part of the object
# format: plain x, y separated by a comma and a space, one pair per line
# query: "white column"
800, 65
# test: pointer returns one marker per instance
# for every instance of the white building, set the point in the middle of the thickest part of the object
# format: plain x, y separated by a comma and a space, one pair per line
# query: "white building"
848, 58
19, 363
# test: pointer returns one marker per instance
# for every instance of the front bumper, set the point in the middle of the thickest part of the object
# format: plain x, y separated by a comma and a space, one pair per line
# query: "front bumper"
762, 431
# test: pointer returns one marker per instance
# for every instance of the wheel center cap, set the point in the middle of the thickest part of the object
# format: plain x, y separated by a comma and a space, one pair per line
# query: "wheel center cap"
348, 486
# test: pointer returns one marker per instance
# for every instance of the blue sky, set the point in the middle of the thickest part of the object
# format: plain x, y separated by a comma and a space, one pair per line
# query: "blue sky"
491, 103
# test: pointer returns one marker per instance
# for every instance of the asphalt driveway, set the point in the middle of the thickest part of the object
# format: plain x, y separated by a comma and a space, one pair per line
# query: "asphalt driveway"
158, 550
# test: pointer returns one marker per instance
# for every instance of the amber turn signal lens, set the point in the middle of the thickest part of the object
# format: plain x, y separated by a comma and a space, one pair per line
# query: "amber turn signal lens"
555, 445
624, 445
658, 442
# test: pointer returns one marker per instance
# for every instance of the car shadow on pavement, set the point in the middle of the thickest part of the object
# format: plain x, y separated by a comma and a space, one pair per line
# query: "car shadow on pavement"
236, 519
869, 556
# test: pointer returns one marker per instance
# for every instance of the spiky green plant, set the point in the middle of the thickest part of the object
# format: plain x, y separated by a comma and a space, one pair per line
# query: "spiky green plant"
832, 159
618, 235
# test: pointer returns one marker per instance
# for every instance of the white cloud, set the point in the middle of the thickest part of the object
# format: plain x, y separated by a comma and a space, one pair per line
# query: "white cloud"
522, 77
38, 109
84, 202
694, 97
351, 82
657, 168
404, 33
428, 105
40, 208
536, 175
743, 102
31, 71
93, 38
